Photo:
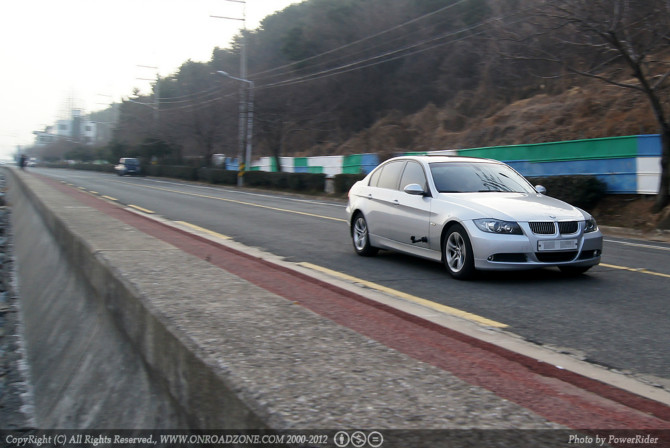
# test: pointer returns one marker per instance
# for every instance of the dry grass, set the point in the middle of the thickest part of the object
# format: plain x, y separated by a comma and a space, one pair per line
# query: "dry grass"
590, 111
629, 211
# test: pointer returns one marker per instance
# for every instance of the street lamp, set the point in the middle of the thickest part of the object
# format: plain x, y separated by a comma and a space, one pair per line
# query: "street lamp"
250, 123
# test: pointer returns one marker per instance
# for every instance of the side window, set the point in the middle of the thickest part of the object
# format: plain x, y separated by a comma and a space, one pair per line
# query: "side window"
413, 174
374, 179
390, 177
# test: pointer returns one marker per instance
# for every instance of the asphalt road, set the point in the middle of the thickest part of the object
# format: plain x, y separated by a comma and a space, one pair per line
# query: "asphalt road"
617, 315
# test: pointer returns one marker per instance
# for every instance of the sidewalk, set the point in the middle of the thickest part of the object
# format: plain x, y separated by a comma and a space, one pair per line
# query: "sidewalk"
307, 351
661, 236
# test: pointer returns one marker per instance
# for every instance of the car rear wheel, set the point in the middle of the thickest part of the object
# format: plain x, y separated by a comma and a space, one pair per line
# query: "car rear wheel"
457, 253
361, 237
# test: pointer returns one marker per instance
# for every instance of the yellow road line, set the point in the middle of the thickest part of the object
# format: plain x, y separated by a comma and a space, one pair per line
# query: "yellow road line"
418, 300
640, 270
246, 203
137, 207
202, 229
109, 198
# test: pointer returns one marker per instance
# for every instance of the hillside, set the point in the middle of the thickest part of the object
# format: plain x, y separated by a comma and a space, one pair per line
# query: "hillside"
589, 110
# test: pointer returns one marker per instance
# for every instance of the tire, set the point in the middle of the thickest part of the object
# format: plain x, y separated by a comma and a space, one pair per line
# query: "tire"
573, 270
457, 253
360, 237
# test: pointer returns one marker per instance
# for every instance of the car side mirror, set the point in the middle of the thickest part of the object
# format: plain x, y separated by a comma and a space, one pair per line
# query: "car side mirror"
414, 189
540, 189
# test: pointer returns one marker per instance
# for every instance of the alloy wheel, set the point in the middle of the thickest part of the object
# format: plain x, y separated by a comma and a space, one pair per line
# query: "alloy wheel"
456, 252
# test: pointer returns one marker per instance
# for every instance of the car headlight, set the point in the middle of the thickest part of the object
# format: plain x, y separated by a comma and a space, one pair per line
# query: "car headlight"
498, 226
591, 225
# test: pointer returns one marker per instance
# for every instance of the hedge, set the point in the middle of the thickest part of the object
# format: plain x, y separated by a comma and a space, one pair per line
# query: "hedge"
306, 182
175, 172
580, 191
217, 176
344, 182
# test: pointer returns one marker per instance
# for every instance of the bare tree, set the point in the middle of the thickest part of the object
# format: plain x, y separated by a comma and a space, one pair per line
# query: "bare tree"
620, 42
196, 115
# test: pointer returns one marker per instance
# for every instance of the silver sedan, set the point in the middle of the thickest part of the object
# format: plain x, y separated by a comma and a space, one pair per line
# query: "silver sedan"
470, 214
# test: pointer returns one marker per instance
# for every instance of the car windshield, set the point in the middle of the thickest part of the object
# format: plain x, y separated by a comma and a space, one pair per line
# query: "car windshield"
131, 162
464, 177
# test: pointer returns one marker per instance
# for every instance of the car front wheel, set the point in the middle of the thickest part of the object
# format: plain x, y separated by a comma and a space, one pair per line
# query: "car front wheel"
361, 237
457, 253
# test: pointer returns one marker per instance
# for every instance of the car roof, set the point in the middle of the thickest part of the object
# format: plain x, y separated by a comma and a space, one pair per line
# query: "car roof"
431, 158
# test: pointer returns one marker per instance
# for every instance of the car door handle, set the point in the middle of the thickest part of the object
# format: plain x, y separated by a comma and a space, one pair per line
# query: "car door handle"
396, 202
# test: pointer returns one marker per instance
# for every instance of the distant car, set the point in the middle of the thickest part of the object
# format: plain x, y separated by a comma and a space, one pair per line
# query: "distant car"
470, 214
128, 166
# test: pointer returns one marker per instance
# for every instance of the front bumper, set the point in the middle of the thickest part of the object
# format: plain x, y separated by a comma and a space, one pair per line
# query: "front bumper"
527, 251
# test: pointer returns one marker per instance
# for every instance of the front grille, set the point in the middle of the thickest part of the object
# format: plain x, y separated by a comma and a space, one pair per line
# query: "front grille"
542, 228
566, 228
555, 257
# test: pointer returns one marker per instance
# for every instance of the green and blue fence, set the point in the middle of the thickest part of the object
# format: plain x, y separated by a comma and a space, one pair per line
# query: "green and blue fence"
628, 165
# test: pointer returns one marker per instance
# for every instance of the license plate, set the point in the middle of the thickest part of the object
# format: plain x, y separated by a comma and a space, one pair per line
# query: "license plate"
557, 245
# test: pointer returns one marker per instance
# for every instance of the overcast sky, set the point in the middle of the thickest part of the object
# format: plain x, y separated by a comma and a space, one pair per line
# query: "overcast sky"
85, 53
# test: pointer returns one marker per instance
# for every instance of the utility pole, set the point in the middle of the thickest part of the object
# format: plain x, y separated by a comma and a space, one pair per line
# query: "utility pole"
157, 95
250, 115
241, 161
103, 129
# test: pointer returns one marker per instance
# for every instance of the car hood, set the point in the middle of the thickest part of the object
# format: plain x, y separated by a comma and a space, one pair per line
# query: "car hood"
513, 206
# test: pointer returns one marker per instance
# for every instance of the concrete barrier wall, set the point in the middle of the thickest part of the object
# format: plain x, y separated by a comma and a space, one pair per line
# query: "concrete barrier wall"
81, 372
125, 331
100, 355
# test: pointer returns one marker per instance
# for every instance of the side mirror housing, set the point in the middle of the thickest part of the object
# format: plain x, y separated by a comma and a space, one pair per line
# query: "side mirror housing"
540, 189
414, 189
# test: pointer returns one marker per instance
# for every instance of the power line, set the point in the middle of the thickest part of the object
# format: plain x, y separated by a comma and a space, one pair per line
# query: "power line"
203, 98
365, 39
188, 97
388, 56
342, 58
196, 97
